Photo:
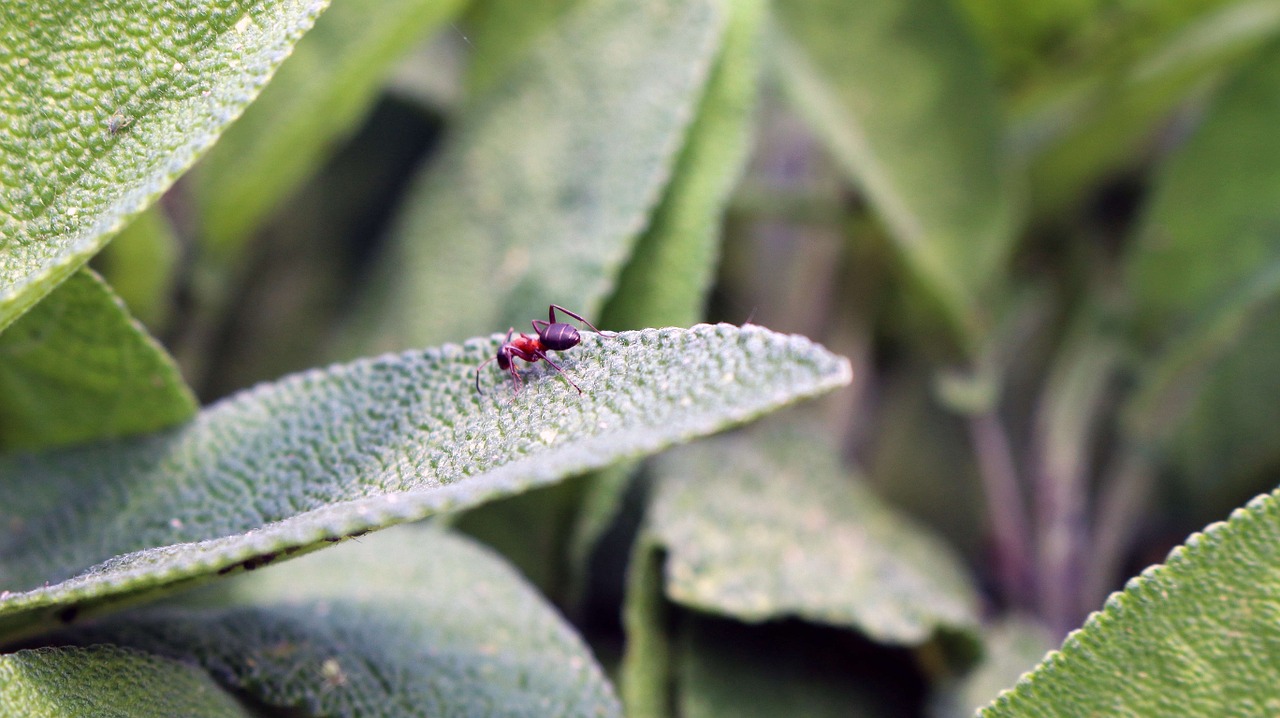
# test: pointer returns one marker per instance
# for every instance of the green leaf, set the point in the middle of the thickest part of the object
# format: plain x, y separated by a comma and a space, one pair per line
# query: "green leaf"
106, 682
646, 678
601, 505
1179, 266
900, 93
766, 526
1205, 273
550, 177
104, 106
1011, 647
285, 467
318, 96
1081, 131
731, 513
1195, 636
77, 367
141, 265
531, 530
501, 31
411, 617
671, 269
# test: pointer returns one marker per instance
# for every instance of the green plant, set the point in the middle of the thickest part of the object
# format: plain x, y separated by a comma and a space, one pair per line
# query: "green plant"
1044, 236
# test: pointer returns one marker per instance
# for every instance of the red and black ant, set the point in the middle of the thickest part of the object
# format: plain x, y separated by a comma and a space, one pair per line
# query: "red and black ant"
551, 336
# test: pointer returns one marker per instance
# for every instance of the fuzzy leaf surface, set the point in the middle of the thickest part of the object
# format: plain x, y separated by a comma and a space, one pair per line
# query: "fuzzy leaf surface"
410, 622
767, 525
550, 177
107, 682
77, 367
1197, 635
103, 106
328, 453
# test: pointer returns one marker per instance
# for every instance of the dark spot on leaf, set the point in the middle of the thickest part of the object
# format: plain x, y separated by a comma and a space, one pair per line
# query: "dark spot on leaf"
259, 561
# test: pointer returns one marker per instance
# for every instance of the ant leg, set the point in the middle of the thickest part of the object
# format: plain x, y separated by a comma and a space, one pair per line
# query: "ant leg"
515, 379
547, 359
483, 364
551, 314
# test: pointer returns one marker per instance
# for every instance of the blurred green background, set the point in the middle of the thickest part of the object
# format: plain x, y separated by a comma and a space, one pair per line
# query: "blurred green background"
1043, 232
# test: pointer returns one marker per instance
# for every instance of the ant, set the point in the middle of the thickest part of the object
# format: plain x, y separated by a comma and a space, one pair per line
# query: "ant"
551, 336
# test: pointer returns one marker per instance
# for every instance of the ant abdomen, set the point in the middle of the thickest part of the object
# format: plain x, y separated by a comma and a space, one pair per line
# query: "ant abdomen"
559, 337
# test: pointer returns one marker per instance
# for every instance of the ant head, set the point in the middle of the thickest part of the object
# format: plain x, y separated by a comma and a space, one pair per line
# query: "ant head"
504, 357
559, 336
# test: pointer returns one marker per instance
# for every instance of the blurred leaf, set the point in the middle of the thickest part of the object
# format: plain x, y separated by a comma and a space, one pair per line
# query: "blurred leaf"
599, 507
531, 530
279, 300
104, 106
1010, 649
77, 367
550, 177
901, 94
1020, 37
1214, 193
1195, 636
319, 95
501, 31
106, 682
413, 621
767, 524
1080, 132
1205, 274
940, 487
1038, 46
140, 265
645, 674
286, 467
666, 281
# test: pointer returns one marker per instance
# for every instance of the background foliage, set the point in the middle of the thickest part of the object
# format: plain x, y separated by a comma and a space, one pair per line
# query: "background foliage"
1045, 235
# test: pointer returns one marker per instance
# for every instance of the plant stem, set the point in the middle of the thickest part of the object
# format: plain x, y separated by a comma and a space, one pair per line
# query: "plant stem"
1064, 431
1006, 509
1120, 510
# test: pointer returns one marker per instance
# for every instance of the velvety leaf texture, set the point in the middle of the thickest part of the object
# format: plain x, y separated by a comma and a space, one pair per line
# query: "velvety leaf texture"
410, 622
78, 367
104, 105
550, 178
329, 453
107, 682
767, 525
1197, 636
